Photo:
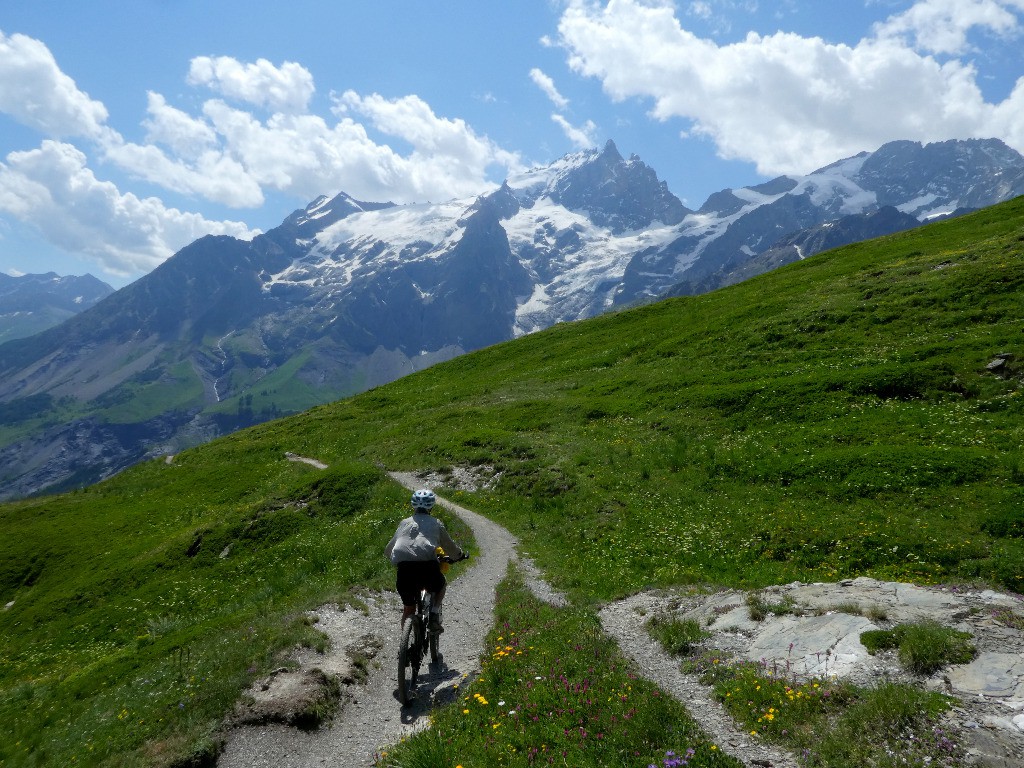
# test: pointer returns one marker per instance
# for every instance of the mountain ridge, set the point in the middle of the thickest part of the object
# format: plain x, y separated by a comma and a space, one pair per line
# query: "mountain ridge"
32, 303
345, 295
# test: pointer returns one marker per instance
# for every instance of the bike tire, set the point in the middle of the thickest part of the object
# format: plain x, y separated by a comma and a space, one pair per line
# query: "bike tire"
406, 672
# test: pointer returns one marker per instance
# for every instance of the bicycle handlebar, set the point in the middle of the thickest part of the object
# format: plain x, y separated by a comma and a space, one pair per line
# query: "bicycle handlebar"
450, 559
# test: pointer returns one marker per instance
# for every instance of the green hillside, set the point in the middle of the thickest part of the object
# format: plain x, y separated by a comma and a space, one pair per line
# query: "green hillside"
830, 419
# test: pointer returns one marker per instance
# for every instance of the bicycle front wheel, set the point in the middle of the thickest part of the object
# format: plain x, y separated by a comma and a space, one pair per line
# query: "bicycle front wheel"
406, 668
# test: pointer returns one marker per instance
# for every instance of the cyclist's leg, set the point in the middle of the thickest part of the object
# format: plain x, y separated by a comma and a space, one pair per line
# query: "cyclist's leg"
408, 587
438, 597
437, 588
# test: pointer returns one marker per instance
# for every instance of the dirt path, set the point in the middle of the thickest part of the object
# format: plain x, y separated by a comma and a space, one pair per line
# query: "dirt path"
374, 718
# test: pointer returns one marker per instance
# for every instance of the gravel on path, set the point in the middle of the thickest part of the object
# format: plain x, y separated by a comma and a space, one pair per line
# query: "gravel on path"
373, 719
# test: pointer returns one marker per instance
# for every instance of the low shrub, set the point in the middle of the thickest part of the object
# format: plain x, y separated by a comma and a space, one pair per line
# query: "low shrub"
923, 648
677, 636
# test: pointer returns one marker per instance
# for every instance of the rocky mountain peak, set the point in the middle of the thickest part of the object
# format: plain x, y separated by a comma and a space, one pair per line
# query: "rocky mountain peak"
324, 211
622, 195
903, 171
503, 202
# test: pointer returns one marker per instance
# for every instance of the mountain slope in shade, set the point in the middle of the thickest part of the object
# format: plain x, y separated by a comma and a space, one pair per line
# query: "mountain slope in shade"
32, 303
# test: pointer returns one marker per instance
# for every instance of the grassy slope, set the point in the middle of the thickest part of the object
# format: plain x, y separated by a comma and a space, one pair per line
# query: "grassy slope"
829, 419
832, 418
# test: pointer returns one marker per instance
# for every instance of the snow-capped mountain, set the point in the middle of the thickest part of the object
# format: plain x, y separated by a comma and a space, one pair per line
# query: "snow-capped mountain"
346, 295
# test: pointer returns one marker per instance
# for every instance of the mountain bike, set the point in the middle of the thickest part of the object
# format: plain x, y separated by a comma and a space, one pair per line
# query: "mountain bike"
417, 640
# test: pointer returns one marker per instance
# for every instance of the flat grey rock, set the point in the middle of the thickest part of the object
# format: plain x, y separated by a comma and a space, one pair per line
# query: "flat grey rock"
815, 646
999, 675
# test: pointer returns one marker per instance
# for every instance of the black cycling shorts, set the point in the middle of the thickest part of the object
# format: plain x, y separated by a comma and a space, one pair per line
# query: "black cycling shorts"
416, 575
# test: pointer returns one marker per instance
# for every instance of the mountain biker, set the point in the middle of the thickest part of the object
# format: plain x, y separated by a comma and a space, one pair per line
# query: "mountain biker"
413, 549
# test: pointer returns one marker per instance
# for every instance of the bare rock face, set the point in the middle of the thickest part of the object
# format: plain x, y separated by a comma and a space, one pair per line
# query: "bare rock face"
813, 630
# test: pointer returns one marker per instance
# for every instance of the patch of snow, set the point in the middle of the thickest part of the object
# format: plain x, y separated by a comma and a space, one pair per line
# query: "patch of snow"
537, 303
912, 206
849, 167
535, 181
372, 238
78, 299
920, 207
538, 300
748, 195
587, 274
824, 187
703, 224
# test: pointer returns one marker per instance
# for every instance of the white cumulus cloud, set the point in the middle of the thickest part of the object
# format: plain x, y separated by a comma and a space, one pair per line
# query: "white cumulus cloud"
581, 136
53, 190
942, 26
233, 156
287, 88
225, 152
35, 92
786, 102
448, 157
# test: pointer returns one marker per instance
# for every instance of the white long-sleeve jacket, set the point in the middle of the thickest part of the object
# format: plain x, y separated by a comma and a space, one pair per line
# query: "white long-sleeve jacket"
418, 537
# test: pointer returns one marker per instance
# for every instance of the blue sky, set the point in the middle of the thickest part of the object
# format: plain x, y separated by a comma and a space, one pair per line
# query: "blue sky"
129, 129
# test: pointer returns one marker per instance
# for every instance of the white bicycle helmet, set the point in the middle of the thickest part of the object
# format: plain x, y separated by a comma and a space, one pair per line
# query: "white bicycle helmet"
423, 499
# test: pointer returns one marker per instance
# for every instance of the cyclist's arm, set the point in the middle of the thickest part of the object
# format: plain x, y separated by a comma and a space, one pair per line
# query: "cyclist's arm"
449, 545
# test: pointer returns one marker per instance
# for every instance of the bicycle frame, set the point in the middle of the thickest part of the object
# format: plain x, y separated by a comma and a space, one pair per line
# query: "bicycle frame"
416, 640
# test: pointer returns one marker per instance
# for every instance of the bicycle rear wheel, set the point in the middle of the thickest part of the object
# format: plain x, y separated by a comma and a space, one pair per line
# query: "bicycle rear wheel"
407, 668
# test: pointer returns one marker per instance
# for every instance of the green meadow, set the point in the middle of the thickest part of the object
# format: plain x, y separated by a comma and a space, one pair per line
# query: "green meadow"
834, 418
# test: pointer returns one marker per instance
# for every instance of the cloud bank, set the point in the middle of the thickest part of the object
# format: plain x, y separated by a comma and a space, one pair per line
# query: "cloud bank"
255, 134
52, 189
786, 102
789, 103
35, 92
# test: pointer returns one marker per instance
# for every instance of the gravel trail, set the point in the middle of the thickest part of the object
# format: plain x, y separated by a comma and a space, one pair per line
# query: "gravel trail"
374, 719
371, 718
